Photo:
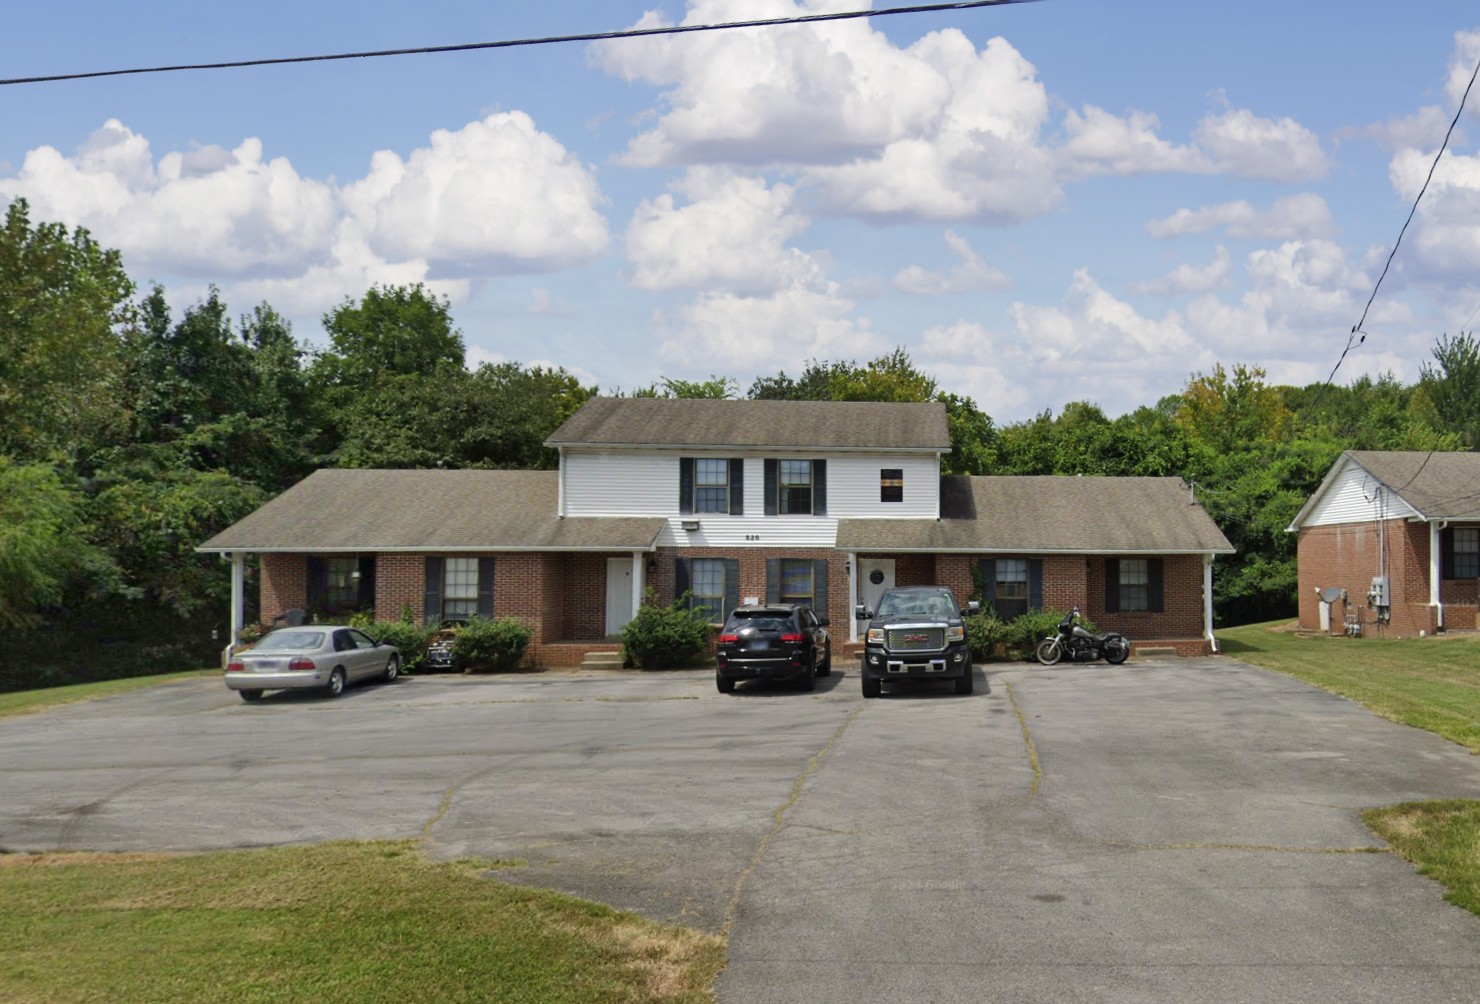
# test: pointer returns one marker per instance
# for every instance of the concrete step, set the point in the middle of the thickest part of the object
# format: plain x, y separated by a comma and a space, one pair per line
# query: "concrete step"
1153, 651
602, 660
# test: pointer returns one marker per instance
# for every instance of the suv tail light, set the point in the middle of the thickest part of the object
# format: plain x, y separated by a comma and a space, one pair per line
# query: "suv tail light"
301, 663
794, 639
728, 639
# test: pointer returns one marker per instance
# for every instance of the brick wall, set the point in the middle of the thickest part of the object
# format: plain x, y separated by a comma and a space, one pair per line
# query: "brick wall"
1182, 595
1347, 556
400, 584
284, 585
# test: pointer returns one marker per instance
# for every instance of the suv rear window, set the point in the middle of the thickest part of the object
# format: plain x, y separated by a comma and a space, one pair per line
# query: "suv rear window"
765, 620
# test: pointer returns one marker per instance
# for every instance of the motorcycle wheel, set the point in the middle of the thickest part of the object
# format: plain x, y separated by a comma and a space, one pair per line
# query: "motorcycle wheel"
1117, 650
1050, 651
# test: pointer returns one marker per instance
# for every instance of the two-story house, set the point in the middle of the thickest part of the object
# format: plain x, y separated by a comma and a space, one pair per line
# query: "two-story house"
822, 502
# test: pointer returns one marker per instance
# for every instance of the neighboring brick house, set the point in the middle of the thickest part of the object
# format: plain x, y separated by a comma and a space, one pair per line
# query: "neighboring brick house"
822, 502
1389, 544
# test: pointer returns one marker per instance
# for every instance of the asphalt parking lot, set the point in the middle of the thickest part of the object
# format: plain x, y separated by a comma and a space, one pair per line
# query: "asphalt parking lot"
1160, 831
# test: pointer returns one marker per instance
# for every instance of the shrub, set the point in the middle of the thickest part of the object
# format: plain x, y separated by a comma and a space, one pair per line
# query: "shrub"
985, 634
494, 645
410, 640
664, 637
1027, 630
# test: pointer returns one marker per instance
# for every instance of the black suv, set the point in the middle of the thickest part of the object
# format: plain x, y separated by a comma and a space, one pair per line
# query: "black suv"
776, 641
917, 634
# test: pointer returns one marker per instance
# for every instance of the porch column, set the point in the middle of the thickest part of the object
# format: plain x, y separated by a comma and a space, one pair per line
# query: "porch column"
1435, 574
852, 594
639, 571
1208, 602
238, 598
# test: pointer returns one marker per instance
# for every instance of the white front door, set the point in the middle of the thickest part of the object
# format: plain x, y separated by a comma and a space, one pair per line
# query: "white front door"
874, 576
618, 594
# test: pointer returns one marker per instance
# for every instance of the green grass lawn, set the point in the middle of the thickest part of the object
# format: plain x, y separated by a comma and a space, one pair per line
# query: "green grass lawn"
23, 701
1429, 683
352, 922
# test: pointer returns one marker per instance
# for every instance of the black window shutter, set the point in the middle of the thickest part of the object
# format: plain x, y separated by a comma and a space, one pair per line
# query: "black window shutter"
819, 488
1112, 585
732, 587
1155, 590
737, 487
1035, 583
318, 583
819, 586
432, 609
365, 597
773, 580
772, 476
685, 485
485, 587
680, 576
989, 582
1446, 552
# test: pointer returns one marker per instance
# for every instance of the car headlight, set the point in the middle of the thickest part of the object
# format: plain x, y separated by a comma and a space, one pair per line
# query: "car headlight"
955, 634
876, 636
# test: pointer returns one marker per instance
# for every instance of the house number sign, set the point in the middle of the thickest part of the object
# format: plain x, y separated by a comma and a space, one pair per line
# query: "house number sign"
752, 536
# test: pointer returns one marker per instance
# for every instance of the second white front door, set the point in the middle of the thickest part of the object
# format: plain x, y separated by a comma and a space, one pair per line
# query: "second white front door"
874, 576
618, 594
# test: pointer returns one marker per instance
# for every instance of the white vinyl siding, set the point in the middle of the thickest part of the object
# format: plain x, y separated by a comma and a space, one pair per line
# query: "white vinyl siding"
1352, 498
645, 483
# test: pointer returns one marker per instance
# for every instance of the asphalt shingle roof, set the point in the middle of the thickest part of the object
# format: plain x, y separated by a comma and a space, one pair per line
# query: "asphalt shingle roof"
1438, 485
798, 425
370, 510
1042, 514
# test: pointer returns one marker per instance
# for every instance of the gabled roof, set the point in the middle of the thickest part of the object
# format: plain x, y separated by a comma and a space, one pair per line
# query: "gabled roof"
1436, 485
379, 510
1043, 515
630, 423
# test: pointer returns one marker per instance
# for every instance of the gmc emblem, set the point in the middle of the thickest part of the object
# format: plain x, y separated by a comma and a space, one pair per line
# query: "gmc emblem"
917, 637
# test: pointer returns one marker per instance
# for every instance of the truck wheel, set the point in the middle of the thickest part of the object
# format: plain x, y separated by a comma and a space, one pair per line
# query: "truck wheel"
871, 688
964, 682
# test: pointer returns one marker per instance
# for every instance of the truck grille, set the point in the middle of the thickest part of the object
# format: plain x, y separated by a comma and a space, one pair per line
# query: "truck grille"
915, 639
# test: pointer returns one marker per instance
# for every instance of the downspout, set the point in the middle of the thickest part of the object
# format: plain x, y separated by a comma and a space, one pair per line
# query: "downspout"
560, 485
1208, 602
1435, 570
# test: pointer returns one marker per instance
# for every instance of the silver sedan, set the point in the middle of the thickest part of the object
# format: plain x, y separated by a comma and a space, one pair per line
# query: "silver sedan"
324, 656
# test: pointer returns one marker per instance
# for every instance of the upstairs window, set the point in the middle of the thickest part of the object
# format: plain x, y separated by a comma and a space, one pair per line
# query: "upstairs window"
796, 487
711, 485
891, 484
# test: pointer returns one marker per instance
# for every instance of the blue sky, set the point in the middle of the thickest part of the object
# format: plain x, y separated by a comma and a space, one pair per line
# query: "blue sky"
1042, 203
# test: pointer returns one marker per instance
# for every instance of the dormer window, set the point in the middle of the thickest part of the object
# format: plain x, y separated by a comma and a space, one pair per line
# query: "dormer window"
796, 487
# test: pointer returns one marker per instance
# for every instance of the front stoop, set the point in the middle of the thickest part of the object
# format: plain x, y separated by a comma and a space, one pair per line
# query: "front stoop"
602, 660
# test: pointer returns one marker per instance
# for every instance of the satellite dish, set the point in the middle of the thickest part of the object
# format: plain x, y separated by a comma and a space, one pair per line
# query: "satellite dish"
1330, 594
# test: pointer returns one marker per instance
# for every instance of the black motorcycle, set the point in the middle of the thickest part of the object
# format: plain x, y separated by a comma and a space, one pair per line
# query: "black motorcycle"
1075, 644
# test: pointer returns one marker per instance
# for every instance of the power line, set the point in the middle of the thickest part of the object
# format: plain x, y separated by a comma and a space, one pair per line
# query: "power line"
1352, 341
600, 36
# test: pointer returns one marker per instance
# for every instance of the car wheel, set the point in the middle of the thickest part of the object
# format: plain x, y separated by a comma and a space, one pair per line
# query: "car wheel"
335, 686
871, 688
964, 682
393, 669
808, 680
1050, 651
826, 668
724, 683
250, 695
1117, 651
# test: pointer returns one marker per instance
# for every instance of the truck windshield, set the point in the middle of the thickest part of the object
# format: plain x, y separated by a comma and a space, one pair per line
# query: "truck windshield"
905, 605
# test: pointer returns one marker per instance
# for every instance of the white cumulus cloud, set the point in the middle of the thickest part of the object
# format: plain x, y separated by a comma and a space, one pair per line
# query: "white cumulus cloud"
1239, 142
1302, 216
972, 275
1187, 278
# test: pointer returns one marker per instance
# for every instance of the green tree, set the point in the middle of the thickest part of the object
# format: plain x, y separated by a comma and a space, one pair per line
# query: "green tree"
400, 330
1450, 388
1225, 411
63, 300
716, 388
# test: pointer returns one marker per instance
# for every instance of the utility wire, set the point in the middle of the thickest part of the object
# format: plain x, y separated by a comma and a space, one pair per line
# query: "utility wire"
1352, 341
600, 36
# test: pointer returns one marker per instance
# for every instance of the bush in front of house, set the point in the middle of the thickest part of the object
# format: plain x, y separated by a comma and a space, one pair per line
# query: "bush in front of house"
1027, 630
490, 645
410, 640
662, 637
985, 634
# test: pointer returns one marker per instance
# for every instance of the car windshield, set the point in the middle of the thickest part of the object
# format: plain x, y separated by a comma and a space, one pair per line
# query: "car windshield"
917, 605
291, 641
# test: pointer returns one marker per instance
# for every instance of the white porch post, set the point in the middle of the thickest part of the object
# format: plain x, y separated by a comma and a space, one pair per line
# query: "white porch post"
1208, 601
639, 571
238, 598
852, 594
1435, 573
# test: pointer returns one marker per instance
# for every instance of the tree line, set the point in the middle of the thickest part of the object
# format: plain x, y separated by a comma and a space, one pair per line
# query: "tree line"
130, 431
